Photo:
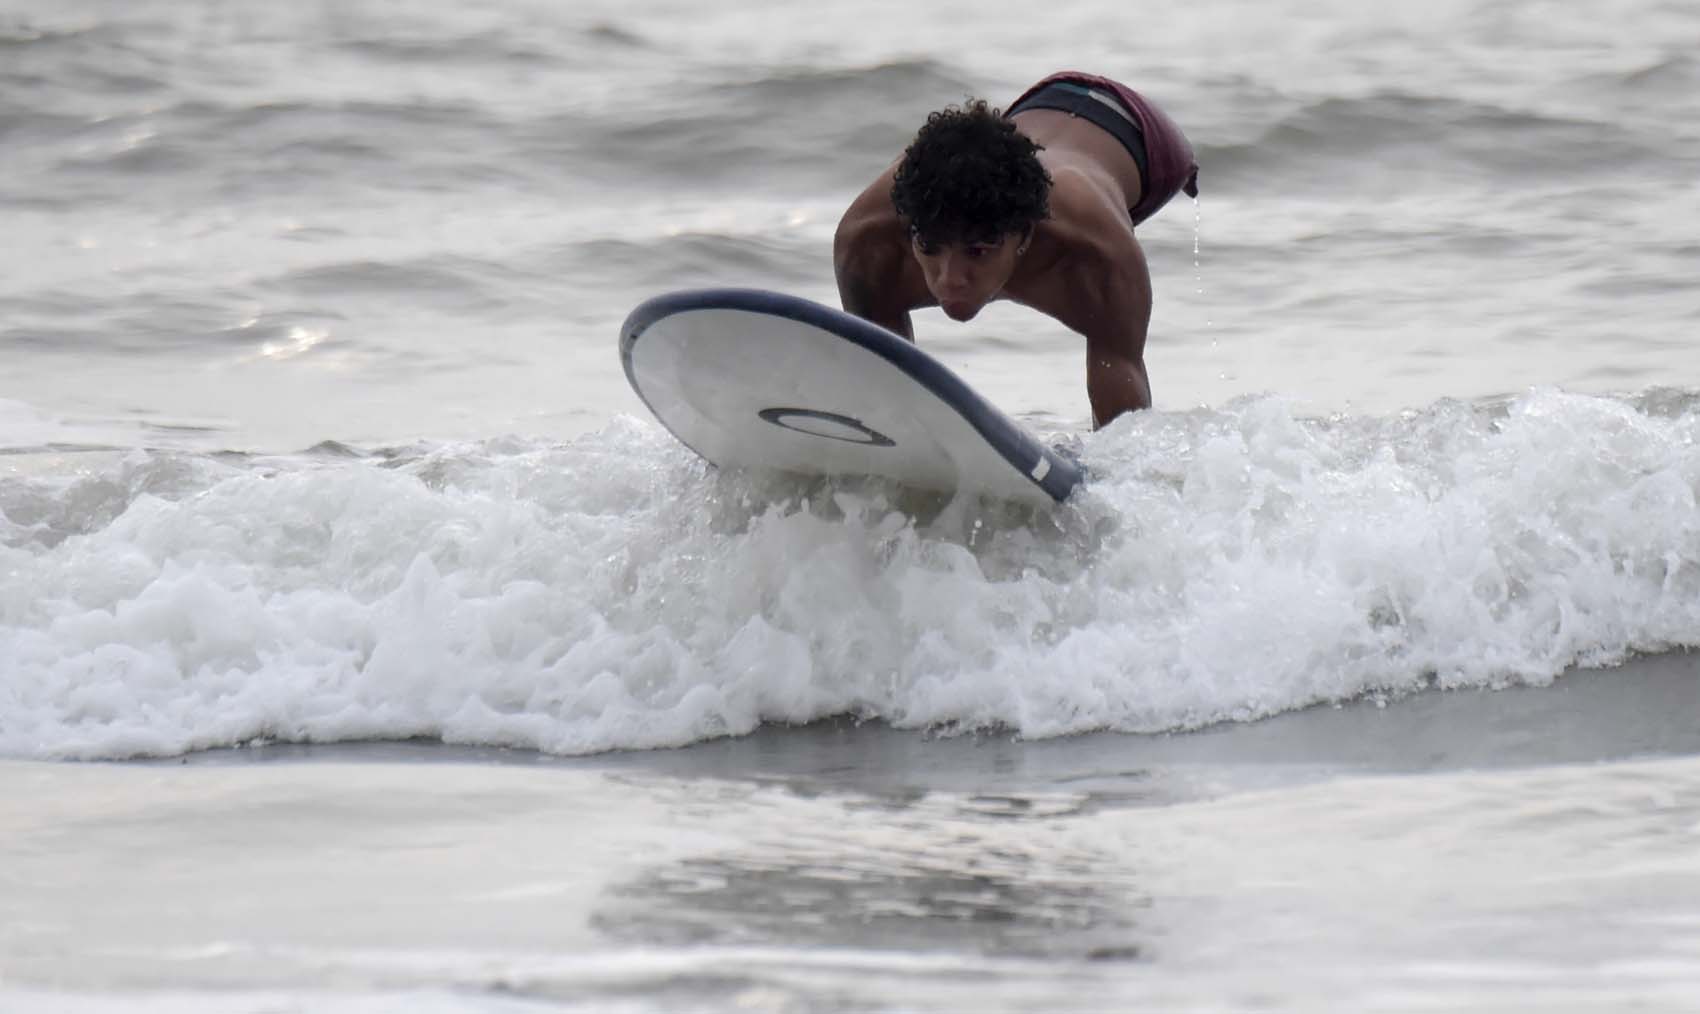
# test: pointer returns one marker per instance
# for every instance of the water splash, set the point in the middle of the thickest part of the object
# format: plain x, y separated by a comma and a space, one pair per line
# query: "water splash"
1223, 564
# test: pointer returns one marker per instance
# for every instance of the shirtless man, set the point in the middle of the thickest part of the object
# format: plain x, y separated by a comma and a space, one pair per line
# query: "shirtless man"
1037, 206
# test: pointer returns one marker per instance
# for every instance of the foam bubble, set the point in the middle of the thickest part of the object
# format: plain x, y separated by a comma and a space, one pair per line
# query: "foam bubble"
614, 592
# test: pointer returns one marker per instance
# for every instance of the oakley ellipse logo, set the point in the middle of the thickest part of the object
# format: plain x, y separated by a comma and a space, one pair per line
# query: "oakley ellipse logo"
830, 425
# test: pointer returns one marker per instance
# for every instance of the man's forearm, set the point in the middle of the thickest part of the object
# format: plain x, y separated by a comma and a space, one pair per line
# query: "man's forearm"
1115, 385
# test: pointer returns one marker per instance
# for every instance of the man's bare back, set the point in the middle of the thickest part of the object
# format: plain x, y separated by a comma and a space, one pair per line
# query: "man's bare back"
1076, 261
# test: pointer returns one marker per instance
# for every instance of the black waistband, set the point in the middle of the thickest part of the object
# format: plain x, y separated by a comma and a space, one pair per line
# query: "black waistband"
1101, 109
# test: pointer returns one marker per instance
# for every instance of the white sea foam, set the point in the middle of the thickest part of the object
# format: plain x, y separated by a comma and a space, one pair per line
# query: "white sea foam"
615, 593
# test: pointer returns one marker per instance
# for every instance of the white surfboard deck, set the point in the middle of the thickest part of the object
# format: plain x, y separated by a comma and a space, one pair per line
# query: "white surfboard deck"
754, 379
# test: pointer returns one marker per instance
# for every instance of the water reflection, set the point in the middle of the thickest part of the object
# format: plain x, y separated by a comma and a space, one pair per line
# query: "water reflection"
958, 876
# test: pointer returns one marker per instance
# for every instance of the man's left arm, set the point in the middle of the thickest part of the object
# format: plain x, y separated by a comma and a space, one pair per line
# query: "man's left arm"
1116, 381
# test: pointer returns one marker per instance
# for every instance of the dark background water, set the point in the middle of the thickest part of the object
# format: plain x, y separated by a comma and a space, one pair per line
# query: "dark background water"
377, 222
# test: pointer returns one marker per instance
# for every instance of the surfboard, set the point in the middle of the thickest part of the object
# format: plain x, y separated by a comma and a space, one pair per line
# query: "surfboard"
762, 380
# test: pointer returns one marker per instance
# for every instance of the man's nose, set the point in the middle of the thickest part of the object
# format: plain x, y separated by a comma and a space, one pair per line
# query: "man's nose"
953, 270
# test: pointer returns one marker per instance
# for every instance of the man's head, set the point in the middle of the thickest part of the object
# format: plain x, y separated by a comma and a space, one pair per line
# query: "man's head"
971, 189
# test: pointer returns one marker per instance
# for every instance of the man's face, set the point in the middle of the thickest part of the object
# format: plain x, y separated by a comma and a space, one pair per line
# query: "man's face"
965, 275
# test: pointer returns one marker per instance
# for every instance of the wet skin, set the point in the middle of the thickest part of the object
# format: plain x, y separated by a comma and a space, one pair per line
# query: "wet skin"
1081, 266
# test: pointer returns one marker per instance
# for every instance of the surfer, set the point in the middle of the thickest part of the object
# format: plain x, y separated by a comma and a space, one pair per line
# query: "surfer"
1037, 205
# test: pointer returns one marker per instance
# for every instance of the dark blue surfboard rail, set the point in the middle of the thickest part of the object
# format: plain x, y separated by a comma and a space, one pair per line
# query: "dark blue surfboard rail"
1008, 439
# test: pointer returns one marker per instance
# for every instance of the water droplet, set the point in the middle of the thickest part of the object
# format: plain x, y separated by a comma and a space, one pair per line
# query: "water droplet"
1198, 261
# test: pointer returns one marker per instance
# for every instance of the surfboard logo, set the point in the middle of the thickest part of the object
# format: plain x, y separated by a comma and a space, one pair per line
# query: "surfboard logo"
830, 425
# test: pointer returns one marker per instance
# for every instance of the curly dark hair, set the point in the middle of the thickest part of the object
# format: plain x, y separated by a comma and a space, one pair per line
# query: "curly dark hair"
970, 174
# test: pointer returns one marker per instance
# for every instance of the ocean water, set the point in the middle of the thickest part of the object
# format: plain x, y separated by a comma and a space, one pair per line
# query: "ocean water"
426, 672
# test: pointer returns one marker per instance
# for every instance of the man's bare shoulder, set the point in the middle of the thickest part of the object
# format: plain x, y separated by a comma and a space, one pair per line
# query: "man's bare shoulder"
877, 277
870, 257
869, 234
1091, 274
1087, 215
871, 212
870, 249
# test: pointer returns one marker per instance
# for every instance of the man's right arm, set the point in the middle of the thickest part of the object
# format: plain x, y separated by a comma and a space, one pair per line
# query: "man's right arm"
867, 263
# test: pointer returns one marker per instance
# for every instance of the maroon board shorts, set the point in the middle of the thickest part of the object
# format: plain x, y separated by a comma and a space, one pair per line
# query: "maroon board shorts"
1164, 156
